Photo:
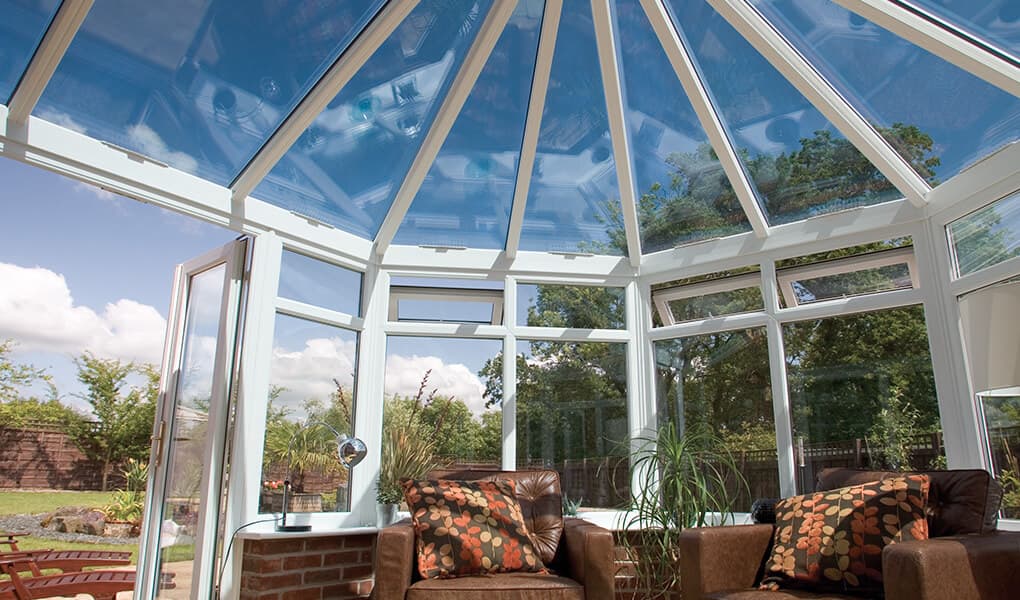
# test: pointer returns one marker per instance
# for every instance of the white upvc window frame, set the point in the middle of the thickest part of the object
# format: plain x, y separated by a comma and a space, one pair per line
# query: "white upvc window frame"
851, 264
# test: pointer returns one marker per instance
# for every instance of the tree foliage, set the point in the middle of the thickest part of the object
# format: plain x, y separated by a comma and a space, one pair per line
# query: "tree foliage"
16, 376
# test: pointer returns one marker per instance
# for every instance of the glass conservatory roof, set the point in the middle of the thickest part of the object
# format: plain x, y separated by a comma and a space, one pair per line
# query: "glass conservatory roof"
616, 127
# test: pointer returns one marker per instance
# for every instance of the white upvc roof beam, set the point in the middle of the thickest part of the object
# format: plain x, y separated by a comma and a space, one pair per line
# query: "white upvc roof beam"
612, 86
809, 82
447, 115
61, 31
683, 64
942, 39
533, 124
321, 94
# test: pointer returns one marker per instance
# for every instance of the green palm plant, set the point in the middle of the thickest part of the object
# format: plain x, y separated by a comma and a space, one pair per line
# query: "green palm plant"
690, 480
409, 444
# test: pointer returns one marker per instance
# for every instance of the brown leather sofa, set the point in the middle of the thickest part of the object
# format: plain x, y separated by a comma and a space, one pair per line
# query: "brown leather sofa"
965, 559
580, 554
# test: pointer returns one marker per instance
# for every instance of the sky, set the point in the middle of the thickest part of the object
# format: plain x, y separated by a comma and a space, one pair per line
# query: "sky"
82, 269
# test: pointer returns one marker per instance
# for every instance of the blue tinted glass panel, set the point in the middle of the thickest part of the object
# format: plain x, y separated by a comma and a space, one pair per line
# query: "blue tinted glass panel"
987, 236
938, 117
994, 21
319, 283
684, 193
21, 30
801, 165
466, 197
198, 85
346, 168
574, 199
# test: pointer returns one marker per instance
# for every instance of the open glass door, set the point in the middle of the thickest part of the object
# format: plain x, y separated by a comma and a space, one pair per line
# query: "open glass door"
178, 546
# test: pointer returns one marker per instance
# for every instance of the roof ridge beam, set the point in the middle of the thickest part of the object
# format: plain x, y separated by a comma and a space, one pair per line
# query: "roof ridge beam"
942, 39
615, 111
47, 57
820, 93
447, 115
533, 123
701, 101
320, 95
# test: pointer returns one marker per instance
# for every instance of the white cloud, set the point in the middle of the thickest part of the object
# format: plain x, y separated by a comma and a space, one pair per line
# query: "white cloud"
403, 376
105, 195
62, 119
150, 144
38, 310
309, 372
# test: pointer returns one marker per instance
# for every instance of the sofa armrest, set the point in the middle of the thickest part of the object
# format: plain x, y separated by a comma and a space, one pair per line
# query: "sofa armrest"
722, 558
966, 567
590, 553
394, 561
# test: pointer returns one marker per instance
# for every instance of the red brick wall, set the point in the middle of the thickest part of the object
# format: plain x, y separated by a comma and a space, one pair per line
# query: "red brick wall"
307, 568
44, 457
340, 567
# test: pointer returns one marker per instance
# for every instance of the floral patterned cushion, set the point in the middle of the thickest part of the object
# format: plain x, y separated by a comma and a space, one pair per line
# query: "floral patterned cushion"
469, 527
833, 540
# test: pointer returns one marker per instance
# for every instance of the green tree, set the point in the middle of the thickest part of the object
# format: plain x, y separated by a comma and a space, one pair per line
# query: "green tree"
26, 411
15, 376
123, 415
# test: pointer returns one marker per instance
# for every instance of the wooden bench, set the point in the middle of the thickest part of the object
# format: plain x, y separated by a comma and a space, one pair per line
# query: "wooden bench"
63, 560
101, 585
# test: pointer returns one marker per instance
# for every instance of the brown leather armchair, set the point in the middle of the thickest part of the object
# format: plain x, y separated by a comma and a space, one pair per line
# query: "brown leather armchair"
579, 553
965, 559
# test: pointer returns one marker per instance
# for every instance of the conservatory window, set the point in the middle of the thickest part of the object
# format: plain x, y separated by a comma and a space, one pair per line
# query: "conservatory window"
862, 393
710, 296
318, 283
579, 307
871, 269
722, 382
987, 236
446, 300
572, 417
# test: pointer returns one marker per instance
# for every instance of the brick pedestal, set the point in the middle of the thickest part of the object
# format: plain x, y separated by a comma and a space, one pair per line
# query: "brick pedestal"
307, 568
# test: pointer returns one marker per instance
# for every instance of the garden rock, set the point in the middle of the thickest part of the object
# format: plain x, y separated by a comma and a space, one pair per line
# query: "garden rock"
76, 519
120, 530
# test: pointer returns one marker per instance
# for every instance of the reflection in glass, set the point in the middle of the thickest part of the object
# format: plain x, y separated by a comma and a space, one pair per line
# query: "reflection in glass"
320, 283
345, 169
862, 393
1002, 433
572, 417
437, 404
198, 85
858, 283
190, 428
684, 195
465, 199
714, 305
915, 99
800, 164
21, 30
986, 236
994, 21
581, 307
722, 382
574, 197
313, 377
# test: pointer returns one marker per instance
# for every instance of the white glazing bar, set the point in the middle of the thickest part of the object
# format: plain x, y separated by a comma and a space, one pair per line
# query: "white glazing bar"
48, 55
458, 93
809, 82
509, 404
994, 65
318, 314
850, 305
564, 334
710, 326
533, 124
683, 64
321, 94
780, 388
606, 42
368, 407
642, 419
958, 410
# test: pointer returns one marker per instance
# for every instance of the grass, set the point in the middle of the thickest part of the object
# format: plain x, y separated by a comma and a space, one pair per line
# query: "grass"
16, 503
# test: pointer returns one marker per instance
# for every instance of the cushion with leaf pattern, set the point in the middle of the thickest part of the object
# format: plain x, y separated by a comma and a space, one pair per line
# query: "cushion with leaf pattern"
469, 527
833, 540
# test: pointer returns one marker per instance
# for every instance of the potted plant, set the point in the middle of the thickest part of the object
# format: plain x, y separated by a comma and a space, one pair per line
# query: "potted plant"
691, 480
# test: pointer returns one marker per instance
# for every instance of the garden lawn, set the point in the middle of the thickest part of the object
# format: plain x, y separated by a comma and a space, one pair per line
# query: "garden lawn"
20, 503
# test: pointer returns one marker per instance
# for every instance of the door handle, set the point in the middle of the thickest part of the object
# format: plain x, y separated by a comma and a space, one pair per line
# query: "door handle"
157, 441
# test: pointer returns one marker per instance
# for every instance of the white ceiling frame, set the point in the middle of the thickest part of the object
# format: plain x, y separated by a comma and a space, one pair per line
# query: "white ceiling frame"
851, 264
533, 124
321, 94
809, 82
942, 39
697, 93
612, 87
48, 55
446, 116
